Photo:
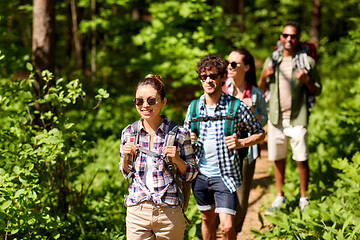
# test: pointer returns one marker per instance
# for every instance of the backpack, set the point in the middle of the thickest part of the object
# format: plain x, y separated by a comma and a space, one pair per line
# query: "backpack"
183, 188
234, 104
301, 62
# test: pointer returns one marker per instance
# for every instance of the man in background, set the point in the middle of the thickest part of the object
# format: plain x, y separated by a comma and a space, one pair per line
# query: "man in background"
291, 77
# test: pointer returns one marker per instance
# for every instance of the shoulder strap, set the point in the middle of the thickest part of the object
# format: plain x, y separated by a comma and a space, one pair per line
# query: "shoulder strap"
169, 141
234, 104
134, 138
194, 114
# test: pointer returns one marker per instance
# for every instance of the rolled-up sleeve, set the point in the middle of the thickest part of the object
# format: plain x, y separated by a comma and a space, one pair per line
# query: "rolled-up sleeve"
187, 154
125, 136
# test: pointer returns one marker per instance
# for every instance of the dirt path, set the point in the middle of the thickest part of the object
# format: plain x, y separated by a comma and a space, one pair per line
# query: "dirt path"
258, 195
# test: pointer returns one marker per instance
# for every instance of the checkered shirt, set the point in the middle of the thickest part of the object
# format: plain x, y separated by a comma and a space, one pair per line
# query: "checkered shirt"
229, 160
164, 184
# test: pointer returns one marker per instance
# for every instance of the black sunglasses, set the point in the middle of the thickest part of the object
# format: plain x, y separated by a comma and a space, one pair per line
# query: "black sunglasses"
150, 100
232, 64
292, 36
212, 76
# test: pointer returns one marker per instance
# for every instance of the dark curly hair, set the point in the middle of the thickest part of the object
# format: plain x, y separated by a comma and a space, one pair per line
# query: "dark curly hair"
211, 62
155, 81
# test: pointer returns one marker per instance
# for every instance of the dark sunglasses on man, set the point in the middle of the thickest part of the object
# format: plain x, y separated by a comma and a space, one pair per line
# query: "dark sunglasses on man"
212, 76
292, 36
150, 100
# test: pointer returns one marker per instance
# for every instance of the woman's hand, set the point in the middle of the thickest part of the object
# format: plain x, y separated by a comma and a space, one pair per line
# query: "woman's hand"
129, 149
248, 102
171, 151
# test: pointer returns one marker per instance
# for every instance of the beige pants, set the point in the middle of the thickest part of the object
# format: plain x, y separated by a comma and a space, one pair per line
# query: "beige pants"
278, 137
147, 221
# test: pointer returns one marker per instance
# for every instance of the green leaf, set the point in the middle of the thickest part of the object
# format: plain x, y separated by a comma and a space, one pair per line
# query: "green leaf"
29, 67
19, 192
6, 204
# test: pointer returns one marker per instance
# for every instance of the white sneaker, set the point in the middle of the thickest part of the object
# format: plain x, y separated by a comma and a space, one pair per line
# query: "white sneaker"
279, 200
304, 201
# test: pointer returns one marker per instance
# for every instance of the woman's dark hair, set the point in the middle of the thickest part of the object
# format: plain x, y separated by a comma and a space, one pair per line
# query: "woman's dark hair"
211, 61
155, 81
248, 59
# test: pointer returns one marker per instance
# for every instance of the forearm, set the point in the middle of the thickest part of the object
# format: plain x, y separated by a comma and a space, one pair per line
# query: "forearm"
251, 140
125, 165
310, 85
262, 82
181, 165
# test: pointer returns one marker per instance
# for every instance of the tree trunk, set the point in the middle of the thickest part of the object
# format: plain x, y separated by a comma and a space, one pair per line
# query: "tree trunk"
76, 36
43, 44
43, 51
315, 23
242, 15
235, 7
93, 43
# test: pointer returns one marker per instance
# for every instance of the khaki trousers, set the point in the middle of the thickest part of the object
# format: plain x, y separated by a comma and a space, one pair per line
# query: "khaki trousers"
147, 221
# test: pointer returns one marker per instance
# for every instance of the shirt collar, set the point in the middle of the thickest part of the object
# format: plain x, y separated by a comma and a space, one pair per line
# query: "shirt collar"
162, 128
224, 98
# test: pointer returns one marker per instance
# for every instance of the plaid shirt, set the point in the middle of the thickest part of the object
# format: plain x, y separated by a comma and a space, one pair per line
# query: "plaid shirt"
164, 184
229, 160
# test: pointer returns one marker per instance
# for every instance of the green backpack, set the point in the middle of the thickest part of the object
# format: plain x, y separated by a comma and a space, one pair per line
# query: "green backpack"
234, 104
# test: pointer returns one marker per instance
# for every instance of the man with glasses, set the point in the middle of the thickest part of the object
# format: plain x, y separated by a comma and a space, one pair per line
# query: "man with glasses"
289, 84
219, 162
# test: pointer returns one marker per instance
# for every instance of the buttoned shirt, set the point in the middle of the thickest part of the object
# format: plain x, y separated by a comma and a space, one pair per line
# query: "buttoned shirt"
229, 160
165, 191
299, 110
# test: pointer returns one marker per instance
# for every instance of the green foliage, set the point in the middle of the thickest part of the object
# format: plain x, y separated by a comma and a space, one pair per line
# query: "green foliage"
179, 33
39, 167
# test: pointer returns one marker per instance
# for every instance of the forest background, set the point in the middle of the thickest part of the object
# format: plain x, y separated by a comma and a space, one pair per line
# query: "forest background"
68, 71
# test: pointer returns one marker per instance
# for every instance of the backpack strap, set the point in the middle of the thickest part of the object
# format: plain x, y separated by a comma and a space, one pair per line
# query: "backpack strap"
234, 104
194, 113
134, 138
170, 141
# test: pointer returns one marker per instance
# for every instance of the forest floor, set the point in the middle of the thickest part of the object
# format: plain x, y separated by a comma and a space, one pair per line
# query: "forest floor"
260, 198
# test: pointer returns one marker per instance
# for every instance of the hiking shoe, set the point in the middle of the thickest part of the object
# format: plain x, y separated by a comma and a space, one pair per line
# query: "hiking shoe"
279, 200
304, 201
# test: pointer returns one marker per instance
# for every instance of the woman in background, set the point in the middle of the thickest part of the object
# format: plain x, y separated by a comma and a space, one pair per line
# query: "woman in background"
241, 83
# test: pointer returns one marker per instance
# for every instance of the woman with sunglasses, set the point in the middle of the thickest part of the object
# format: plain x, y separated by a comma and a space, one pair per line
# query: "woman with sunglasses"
241, 83
153, 209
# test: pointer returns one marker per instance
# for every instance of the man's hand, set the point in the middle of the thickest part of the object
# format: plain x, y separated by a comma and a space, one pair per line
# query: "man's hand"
268, 71
192, 137
302, 75
232, 142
